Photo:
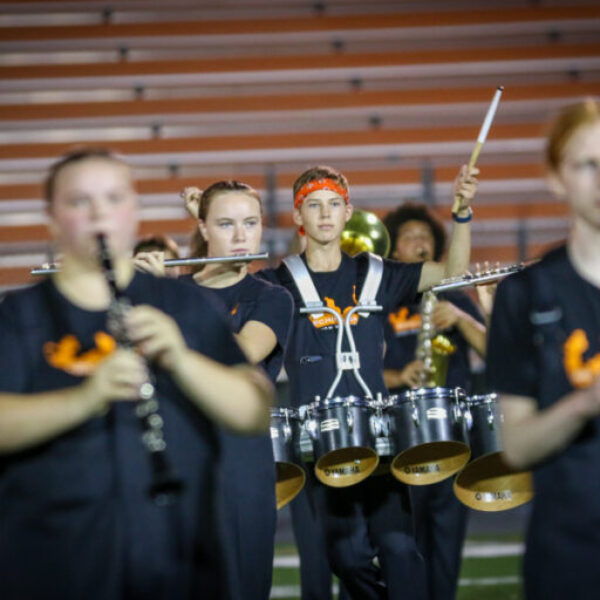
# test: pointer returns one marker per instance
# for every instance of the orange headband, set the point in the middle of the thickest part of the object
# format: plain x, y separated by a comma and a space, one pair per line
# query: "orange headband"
319, 184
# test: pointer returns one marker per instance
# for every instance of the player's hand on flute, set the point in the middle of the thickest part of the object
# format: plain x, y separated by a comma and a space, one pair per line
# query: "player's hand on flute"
150, 262
465, 188
156, 336
191, 199
118, 377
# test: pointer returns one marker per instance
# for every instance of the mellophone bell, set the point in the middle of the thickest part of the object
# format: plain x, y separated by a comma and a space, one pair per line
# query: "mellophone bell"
429, 433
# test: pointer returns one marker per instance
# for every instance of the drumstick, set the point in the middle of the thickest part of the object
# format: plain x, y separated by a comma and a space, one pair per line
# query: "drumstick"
487, 123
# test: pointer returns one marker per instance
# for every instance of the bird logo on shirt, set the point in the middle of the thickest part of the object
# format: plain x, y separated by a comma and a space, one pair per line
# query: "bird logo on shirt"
581, 373
403, 323
66, 354
328, 320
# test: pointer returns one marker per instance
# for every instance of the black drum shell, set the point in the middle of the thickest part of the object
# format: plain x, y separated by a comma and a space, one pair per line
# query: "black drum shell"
428, 434
451, 427
485, 422
332, 429
343, 440
285, 428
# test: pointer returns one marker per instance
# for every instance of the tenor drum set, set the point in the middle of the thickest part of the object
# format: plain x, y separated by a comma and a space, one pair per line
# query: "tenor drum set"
426, 435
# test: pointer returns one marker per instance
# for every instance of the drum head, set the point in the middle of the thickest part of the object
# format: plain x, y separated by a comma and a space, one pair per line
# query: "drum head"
346, 466
429, 463
290, 480
489, 484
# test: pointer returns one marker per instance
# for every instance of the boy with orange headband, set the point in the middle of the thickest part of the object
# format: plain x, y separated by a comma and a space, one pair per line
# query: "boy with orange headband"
371, 519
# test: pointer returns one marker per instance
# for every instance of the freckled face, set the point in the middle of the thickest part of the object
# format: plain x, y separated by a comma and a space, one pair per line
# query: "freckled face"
94, 196
233, 224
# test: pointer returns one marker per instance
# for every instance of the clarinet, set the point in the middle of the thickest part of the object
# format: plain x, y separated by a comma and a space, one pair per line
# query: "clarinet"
165, 485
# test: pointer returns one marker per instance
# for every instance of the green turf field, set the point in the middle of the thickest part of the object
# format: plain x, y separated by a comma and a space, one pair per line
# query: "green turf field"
490, 570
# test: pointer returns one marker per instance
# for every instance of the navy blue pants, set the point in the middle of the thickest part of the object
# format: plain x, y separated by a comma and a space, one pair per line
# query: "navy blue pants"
248, 514
367, 521
440, 527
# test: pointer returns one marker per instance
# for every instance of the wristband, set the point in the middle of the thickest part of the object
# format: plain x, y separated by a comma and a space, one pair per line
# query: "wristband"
466, 219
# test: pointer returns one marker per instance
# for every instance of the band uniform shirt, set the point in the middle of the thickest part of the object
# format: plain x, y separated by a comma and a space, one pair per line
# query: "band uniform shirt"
544, 348
76, 520
254, 299
402, 327
310, 359
247, 470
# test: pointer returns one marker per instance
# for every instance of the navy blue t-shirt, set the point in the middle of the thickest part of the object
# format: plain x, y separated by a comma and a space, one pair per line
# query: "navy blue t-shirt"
254, 299
545, 325
403, 325
310, 359
76, 520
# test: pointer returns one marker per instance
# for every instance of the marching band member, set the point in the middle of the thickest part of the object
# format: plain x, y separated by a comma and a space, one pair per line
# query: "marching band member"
229, 217
371, 519
544, 359
76, 518
440, 519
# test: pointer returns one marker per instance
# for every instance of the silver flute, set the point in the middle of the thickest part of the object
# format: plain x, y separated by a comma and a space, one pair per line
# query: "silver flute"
175, 262
454, 283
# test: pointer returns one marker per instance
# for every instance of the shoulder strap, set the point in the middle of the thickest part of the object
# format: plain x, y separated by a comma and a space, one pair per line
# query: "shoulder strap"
303, 281
369, 290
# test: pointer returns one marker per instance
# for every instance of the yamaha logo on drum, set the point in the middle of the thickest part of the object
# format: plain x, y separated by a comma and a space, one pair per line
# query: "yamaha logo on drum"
432, 468
339, 471
330, 425
437, 413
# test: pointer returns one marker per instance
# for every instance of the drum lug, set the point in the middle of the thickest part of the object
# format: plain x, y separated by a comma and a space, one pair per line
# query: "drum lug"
311, 428
350, 421
376, 425
490, 418
415, 414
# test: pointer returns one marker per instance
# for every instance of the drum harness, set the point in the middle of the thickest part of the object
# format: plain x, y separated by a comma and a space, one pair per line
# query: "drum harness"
345, 361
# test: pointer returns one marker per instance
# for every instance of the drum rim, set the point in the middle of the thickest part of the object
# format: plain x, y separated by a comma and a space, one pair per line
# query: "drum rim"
284, 411
435, 392
479, 399
357, 401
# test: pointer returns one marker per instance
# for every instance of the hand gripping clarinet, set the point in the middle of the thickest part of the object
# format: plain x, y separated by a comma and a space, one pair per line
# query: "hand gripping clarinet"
165, 485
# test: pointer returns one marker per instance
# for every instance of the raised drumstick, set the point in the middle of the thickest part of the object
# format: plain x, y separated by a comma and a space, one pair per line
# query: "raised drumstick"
487, 122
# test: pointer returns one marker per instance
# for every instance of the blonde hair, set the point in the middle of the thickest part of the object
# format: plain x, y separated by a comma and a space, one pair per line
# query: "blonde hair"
320, 172
562, 128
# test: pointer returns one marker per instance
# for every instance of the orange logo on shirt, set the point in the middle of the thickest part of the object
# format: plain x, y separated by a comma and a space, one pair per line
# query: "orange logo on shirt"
402, 322
234, 309
328, 320
581, 372
65, 354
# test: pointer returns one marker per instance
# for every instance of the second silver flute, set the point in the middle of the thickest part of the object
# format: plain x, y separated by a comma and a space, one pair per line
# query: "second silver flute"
454, 283
178, 262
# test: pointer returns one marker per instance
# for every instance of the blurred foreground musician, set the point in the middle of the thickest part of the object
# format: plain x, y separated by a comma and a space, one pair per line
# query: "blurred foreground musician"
76, 518
440, 519
544, 358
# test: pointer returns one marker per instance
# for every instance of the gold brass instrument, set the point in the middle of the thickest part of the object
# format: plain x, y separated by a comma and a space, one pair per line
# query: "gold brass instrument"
365, 232
175, 262
433, 350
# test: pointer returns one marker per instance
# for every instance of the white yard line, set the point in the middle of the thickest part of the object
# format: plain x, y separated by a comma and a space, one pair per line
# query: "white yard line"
293, 591
471, 550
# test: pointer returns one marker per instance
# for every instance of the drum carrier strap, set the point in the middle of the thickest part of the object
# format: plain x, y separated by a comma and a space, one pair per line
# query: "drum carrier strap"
314, 305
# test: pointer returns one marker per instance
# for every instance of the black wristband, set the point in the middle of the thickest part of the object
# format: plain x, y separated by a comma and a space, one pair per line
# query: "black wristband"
466, 219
